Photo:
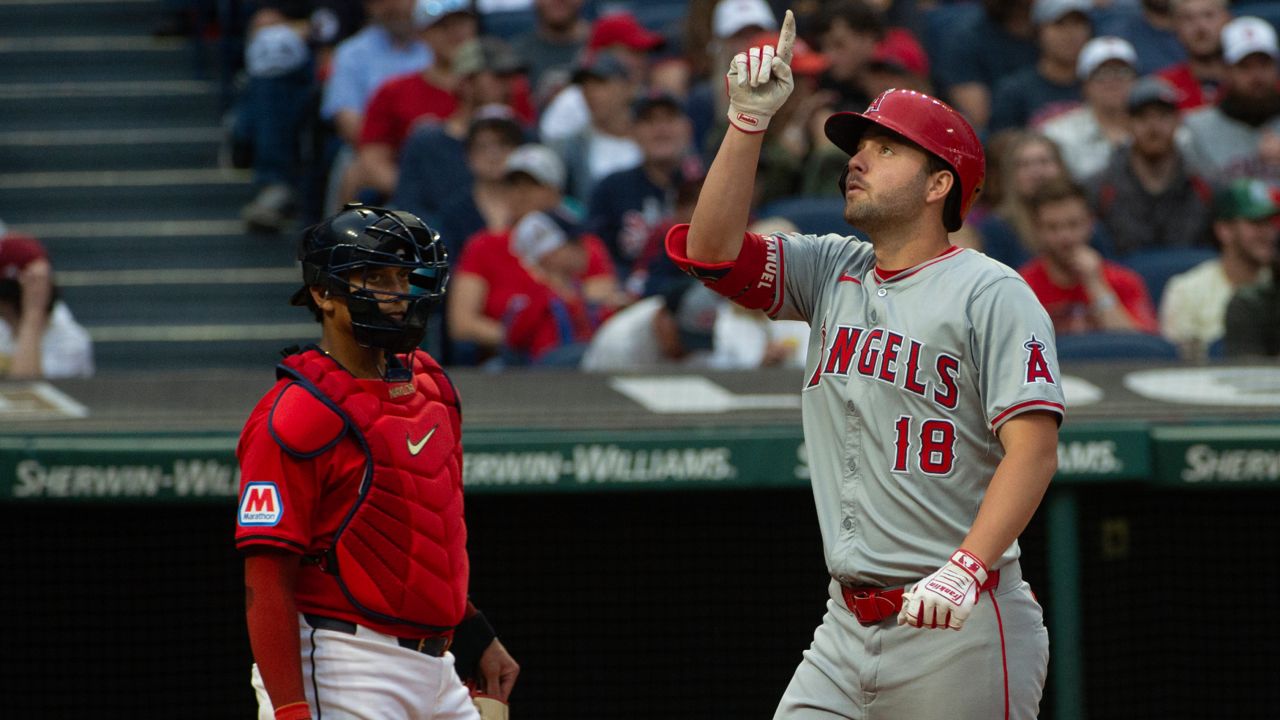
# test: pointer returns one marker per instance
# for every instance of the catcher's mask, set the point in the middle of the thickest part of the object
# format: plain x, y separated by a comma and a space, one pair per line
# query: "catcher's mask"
368, 238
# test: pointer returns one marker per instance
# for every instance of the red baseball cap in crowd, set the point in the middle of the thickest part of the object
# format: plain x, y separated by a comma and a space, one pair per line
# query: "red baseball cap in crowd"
17, 252
622, 28
804, 60
900, 51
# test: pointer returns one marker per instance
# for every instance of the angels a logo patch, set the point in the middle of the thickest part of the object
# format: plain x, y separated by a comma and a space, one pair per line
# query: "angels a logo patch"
1037, 366
260, 505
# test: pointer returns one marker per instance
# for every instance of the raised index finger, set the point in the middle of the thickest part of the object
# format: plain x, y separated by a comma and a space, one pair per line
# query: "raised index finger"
787, 37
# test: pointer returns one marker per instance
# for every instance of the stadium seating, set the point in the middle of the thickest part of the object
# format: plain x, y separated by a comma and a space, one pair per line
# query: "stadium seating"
1115, 346
816, 215
1268, 10
1157, 266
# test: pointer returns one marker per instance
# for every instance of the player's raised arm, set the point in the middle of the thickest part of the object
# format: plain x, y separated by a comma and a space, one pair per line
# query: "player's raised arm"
758, 82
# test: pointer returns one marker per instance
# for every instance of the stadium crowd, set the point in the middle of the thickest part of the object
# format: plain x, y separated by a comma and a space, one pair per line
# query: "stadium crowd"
1133, 152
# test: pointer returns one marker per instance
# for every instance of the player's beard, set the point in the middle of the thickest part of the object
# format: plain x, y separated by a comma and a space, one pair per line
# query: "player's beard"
890, 209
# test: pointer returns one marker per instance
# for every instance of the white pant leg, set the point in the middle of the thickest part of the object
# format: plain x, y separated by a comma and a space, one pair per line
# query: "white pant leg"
367, 676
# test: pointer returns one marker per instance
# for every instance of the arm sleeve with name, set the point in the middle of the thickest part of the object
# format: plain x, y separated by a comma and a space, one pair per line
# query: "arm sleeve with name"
1015, 352
783, 274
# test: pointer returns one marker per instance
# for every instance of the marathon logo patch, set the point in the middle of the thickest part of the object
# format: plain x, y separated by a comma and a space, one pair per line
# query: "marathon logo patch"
260, 505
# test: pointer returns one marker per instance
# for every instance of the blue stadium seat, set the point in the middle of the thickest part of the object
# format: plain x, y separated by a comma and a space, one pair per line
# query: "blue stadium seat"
815, 215
1157, 266
1268, 10
1115, 346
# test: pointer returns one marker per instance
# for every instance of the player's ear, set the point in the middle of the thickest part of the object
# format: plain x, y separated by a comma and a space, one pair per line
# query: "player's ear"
939, 185
322, 298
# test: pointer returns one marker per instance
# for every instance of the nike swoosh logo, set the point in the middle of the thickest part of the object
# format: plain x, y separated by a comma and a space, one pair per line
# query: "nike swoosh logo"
416, 447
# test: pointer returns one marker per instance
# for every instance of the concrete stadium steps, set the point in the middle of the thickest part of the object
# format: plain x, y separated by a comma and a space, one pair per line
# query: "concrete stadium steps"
185, 354
81, 59
125, 149
196, 246
121, 103
109, 145
54, 18
191, 302
110, 195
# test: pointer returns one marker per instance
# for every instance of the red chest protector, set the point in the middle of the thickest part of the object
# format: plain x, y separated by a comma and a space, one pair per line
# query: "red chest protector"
400, 554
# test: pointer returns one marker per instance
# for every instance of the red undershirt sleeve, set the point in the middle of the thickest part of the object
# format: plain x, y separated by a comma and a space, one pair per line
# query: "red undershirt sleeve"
272, 618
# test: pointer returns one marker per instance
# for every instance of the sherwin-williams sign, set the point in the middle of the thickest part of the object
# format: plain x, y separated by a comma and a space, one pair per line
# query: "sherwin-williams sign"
1230, 455
202, 468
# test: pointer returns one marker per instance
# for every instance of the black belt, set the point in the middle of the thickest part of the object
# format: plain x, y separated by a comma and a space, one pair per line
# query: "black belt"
435, 646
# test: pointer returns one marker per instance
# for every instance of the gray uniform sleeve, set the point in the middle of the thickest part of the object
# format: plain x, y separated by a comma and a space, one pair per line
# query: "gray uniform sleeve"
813, 263
1014, 350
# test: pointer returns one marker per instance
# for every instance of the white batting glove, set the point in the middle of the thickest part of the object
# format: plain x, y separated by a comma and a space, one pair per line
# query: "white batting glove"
759, 81
945, 598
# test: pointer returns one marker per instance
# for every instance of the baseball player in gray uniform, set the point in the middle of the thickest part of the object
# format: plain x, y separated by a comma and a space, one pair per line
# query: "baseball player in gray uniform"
931, 406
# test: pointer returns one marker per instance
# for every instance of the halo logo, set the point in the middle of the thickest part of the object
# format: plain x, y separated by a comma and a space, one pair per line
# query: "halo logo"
260, 505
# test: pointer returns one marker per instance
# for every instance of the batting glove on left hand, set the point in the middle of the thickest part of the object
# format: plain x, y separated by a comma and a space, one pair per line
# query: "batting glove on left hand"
759, 81
945, 598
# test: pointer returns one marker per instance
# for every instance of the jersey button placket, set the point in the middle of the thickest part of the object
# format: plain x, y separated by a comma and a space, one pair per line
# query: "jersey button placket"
851, 485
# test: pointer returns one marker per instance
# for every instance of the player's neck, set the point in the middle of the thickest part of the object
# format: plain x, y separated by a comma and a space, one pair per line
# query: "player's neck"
908, 247
361, 362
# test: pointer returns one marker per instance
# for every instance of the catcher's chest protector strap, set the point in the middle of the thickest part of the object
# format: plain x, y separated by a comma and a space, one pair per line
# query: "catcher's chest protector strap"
400, 555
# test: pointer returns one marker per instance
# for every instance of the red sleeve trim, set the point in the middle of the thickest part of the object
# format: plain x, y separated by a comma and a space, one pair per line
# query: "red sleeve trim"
1025, 407
753, 280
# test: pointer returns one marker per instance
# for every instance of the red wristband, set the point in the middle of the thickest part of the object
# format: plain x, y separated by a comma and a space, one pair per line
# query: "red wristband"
294, 711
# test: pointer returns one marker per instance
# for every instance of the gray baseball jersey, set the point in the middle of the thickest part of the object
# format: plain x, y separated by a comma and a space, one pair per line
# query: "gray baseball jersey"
908, 379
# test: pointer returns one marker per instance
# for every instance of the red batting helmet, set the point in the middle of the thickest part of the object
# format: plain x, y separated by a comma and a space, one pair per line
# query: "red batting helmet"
929, 123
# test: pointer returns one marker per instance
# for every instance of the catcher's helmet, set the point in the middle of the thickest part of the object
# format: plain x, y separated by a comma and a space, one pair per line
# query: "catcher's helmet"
362, 237
929, 123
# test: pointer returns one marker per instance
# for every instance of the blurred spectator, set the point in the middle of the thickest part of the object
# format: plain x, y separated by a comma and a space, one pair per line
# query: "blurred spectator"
626, 206
1240, 136
605, 145
387, 47
797, 158
623, 37
399, 103
733, 24
1253, 320
1035, 93
1151, 33
1198, 24
1090, 133
482, 205
897, 62
1193, 309
969, 70
39, 338
269, 114
1081, 291
685, 324
558, 35
524, 292
1147, 197
433, 162
1027, 161
847, 32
